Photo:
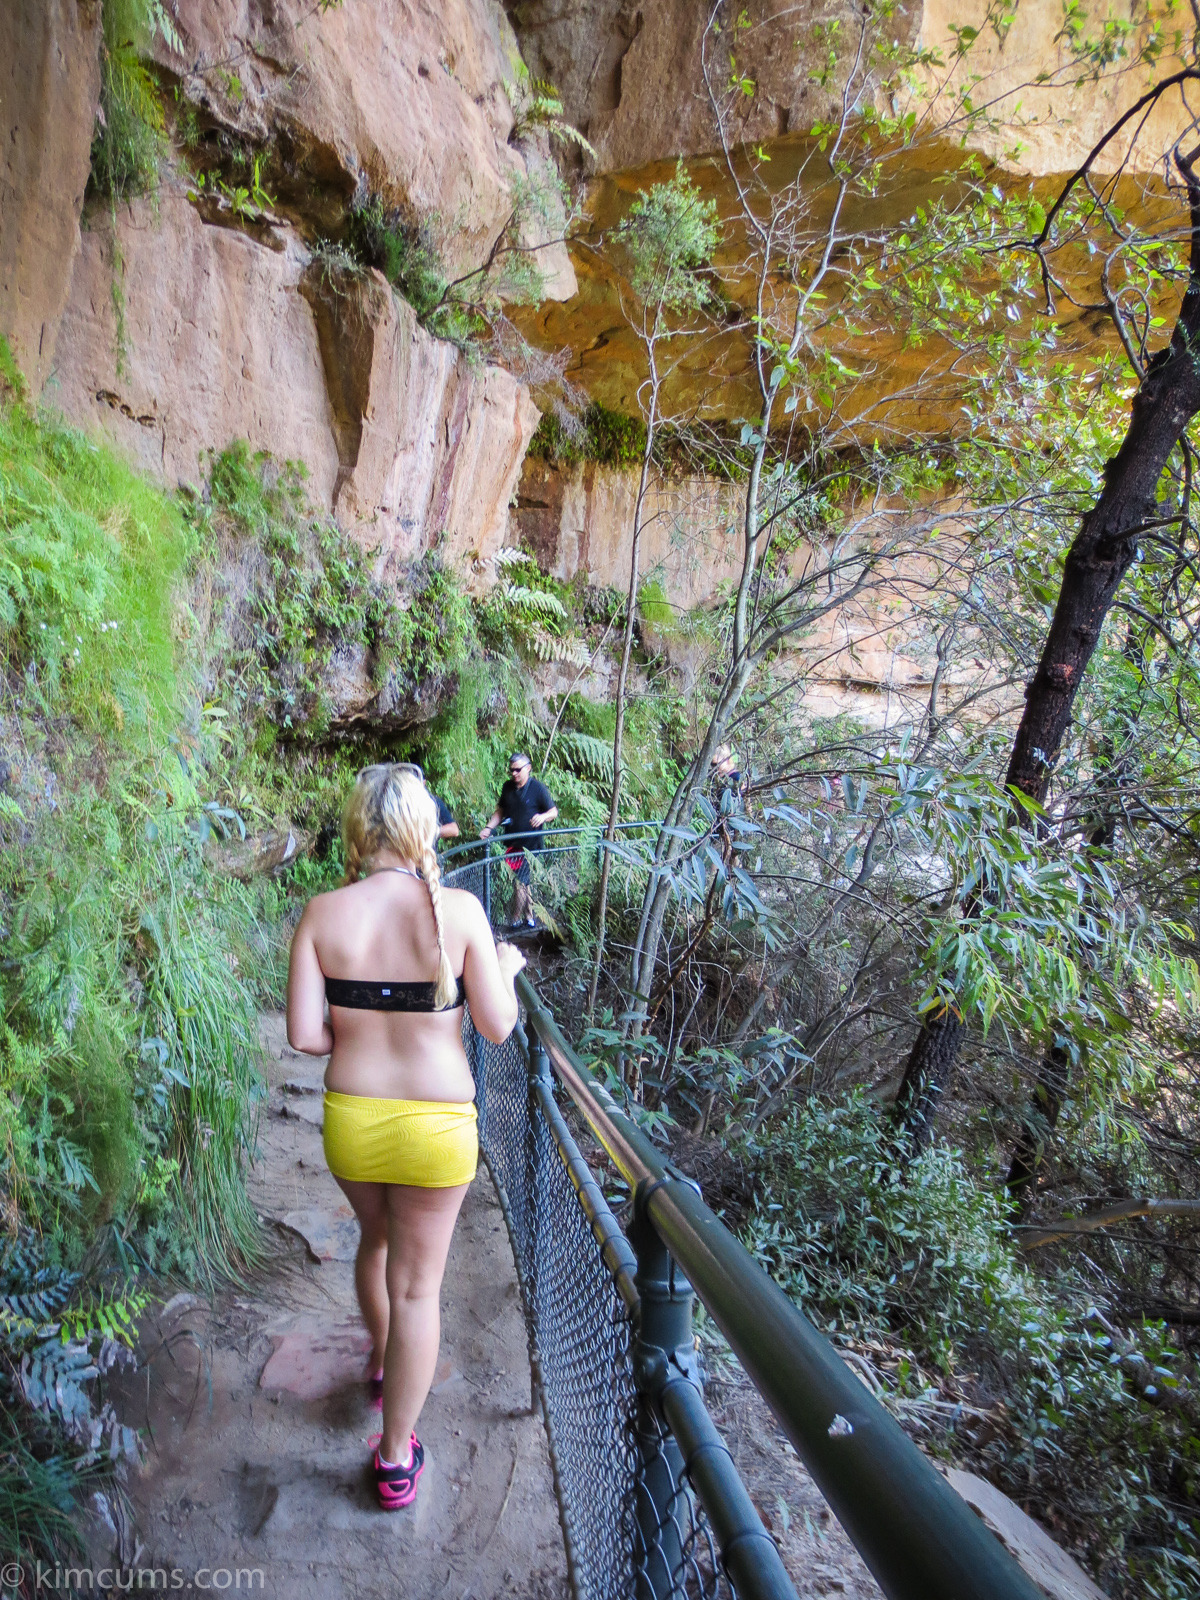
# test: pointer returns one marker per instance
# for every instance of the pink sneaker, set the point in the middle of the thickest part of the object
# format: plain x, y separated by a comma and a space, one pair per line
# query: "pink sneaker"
397, 1486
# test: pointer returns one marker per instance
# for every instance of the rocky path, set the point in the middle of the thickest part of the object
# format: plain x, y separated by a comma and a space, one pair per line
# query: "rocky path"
256, 1419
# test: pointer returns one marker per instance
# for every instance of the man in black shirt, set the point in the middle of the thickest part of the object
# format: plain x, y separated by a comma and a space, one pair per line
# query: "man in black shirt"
447, 827
524, 808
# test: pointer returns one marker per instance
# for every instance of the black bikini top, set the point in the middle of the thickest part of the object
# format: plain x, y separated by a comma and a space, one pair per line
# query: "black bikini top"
357, 995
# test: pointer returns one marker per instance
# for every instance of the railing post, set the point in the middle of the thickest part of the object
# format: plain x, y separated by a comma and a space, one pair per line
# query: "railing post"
539, 1072
663, 1349
487, 880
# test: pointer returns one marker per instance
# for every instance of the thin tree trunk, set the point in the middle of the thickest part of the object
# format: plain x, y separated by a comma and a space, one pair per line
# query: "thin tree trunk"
610, 832
1054, 1076
1041, 1119
1167, 400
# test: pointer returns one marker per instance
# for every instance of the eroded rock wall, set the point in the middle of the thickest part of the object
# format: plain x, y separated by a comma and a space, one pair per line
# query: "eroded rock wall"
185, 326
632, 74
579, 520
405, 99
873, 657
49, 89
213, 335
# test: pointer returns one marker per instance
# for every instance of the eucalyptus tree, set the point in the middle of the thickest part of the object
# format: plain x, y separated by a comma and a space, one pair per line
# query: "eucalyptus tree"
781, 240
665, 242
836, 490
1139, 273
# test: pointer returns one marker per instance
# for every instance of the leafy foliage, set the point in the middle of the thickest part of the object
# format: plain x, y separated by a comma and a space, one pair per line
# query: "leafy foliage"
669, 235
130, 139
311, 596
462, 309
912, 1268
537, 105
599, 435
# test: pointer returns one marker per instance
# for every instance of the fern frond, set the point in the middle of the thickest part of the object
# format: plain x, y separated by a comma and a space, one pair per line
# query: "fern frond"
587, 754
519, 597
566, 131
527, 730
162, 22
29, 1289
549, 647
134, 87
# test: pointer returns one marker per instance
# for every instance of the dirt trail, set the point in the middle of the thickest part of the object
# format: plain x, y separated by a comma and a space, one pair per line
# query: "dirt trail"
256, 1418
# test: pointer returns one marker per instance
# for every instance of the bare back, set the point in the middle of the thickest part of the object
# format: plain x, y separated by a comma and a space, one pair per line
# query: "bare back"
381, 929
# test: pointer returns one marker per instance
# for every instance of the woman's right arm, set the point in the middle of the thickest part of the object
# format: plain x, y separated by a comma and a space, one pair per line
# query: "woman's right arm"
307, 1029
489, 972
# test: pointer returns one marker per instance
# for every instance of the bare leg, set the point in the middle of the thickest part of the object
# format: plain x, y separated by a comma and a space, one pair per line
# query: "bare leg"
420, 1225
522, 902
370, 1207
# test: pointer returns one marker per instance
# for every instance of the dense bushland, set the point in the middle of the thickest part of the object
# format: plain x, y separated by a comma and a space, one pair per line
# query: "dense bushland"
928, 867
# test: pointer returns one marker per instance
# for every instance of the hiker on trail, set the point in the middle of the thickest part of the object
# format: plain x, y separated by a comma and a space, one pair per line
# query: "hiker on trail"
524, 808
724, 773
447, 827
394, 954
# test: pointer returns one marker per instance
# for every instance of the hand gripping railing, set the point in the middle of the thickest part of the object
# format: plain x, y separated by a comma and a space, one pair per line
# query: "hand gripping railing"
918, 1537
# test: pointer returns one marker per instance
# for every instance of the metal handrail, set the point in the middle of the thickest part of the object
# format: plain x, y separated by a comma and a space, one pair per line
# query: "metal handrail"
659, 1304
919, 1538
456, 850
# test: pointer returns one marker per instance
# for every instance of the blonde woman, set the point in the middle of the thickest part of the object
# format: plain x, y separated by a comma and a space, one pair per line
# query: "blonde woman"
393, 954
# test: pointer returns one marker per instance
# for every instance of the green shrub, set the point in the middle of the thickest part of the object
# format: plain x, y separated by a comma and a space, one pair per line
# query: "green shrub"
130, 142
607, 437
314, 595
916, 1264
406, 253
99, 843
90, 555
654, 606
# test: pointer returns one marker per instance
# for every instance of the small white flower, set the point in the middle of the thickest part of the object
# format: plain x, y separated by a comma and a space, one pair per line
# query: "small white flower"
75, 653
78, 640
43, 627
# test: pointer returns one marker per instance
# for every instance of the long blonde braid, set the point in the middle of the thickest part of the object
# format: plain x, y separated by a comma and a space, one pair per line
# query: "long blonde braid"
447, 984
390, 807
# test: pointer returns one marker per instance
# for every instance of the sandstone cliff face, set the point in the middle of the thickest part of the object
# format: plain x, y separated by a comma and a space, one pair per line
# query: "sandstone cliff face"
181, 332
405, 99
49, 89
873, 658
579, 520
225, 337
185, 330
632, 75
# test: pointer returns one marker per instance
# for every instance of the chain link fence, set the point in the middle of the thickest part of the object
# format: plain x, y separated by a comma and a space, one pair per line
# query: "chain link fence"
632, 1525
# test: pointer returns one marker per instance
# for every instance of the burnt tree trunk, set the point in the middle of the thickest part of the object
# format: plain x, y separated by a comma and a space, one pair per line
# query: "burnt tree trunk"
1054, 1077
1041, 1119
1167, 400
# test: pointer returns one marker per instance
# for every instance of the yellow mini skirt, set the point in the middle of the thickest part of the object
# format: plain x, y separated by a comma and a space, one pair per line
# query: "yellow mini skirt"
430, 1144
